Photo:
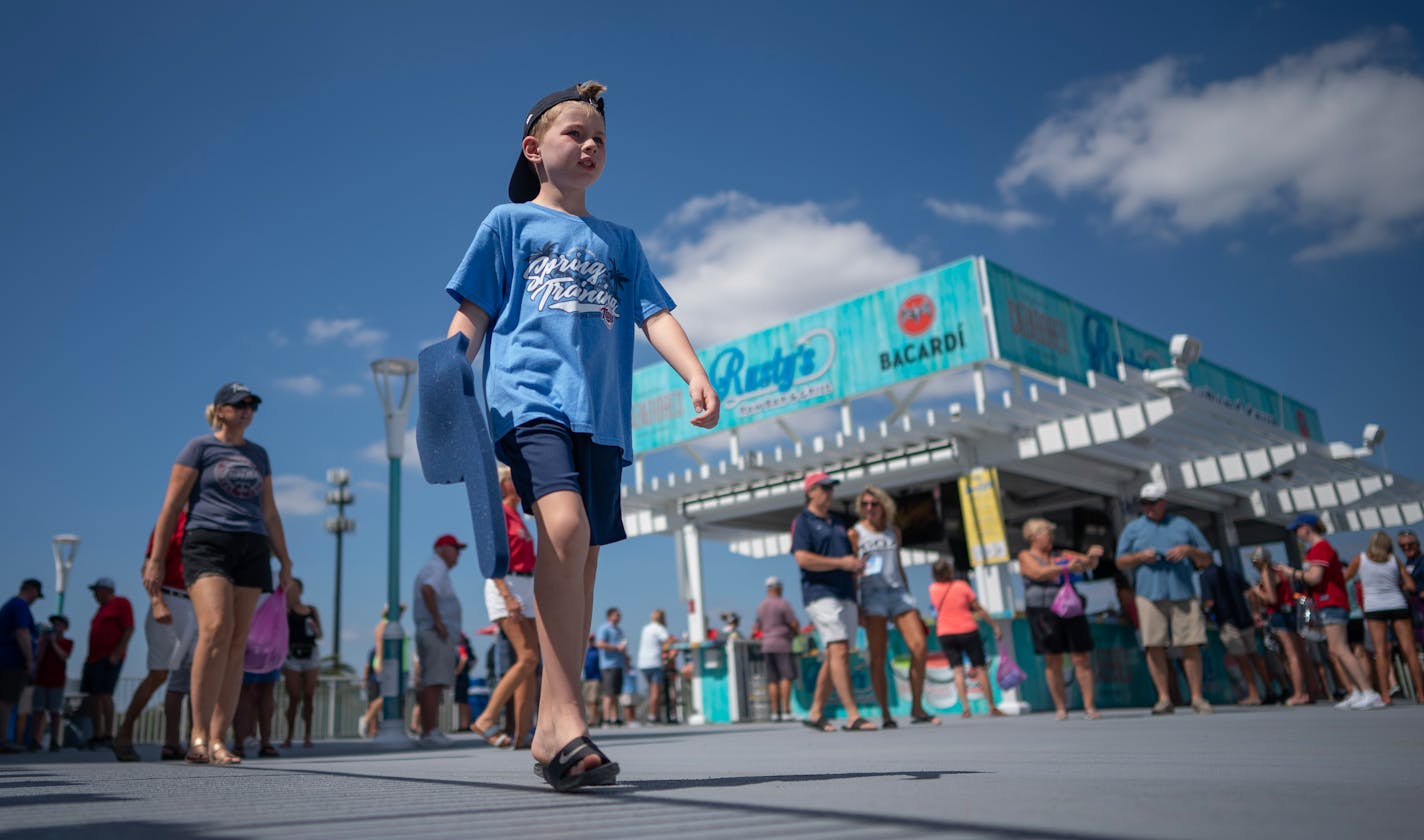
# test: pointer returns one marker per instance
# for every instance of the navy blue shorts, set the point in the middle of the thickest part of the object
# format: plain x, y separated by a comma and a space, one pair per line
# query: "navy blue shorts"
544, 457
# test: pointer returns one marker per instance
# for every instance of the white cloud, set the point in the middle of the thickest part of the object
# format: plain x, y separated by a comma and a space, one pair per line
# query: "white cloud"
277, 338
306, 385
737, 265
350, 389
1327, 140
298, 495
1007, 220
410, 458
352, 332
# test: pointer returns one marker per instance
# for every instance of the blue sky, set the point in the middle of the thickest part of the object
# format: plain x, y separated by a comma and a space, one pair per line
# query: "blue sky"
277, 193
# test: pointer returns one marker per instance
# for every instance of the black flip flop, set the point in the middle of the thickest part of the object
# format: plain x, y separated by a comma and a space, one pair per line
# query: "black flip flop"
556, 773
860, 724
820, 724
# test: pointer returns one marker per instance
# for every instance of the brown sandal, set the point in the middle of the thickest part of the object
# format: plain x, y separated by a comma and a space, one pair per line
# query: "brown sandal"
197, 753
222, 756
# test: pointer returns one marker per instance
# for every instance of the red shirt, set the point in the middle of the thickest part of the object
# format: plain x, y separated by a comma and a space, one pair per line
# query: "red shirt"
107, 629
1285, 597
173, 564
521, 545
50, 671
1330, 592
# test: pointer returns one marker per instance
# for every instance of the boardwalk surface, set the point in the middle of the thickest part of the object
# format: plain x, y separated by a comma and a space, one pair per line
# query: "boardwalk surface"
1298, 773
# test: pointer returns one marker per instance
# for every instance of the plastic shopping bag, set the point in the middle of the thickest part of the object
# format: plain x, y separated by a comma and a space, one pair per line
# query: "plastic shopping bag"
1009, 674
267, 640
1067, 603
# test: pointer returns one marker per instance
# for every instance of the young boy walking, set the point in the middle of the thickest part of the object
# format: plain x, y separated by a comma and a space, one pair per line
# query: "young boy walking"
552, 294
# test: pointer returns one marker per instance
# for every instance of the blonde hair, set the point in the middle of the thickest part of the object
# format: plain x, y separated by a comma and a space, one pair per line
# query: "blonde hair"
1034, 525
887, 504
210, 413
504, 472
590, 92
1380, 547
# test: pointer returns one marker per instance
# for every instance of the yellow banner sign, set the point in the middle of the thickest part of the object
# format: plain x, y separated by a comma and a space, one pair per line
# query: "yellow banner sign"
983, 517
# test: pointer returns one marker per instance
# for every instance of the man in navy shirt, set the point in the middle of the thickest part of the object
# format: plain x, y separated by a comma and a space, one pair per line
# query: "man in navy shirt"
17, 653
828, 569
1223, 594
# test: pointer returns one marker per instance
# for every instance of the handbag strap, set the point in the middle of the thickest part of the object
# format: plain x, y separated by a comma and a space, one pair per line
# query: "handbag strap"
939, 605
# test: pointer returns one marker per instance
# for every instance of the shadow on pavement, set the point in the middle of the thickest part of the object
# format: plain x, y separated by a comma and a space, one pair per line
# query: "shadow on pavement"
126, 830
629, 791
61, 799
33, 783
651, 785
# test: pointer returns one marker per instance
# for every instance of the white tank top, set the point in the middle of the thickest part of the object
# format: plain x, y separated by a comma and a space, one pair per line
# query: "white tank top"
1381, 585
881, 552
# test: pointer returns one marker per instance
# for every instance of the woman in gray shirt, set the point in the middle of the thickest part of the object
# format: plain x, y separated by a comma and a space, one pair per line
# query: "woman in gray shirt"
233, 530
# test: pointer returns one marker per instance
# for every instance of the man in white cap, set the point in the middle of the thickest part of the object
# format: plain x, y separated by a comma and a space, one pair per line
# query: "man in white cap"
109, 634
776, 624
1164, 550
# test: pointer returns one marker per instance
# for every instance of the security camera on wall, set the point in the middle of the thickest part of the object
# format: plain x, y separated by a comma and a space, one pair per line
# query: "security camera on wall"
1185, 351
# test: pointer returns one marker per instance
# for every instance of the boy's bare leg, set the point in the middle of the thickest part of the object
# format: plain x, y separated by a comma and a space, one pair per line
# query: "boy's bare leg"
562, 614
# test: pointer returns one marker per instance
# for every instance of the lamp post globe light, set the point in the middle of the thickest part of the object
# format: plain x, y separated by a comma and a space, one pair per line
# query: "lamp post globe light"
66, 546
393, 386
339, 524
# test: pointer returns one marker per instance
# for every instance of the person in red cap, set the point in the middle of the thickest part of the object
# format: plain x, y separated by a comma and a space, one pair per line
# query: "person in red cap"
828, 568
437, 636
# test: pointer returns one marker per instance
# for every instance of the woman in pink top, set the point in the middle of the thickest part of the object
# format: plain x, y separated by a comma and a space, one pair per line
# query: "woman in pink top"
956, 611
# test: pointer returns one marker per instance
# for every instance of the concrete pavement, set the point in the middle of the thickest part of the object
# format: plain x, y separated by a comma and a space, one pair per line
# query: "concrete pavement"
1275, 772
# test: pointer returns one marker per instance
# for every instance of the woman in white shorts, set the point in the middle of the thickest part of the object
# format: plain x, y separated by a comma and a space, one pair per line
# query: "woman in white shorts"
510, 602
303, 664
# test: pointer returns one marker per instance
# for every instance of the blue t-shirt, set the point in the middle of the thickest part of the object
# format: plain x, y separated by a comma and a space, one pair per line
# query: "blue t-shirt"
590, 664
1162, 580
563, 294
228, 493
827, 538
611, 634
15, 615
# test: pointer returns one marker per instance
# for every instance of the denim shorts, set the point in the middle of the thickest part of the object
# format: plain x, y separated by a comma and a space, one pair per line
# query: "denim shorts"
885, 601
544, 456
1333, 615
1282, 620
654, 676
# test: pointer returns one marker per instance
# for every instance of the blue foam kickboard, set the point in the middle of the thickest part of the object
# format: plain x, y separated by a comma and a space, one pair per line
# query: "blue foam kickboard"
453, 438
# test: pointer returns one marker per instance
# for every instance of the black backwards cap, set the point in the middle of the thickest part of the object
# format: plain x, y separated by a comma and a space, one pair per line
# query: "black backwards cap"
524, 183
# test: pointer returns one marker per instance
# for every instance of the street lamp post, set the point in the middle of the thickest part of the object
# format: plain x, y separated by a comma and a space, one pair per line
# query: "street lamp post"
66, 546
393, 385
338, 525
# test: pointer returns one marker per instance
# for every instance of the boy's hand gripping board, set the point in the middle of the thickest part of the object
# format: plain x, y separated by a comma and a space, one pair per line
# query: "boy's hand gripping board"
453, 439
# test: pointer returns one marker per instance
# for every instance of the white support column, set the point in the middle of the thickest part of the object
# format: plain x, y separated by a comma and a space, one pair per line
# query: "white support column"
994, 586
689, 556
734, 448
847, 425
